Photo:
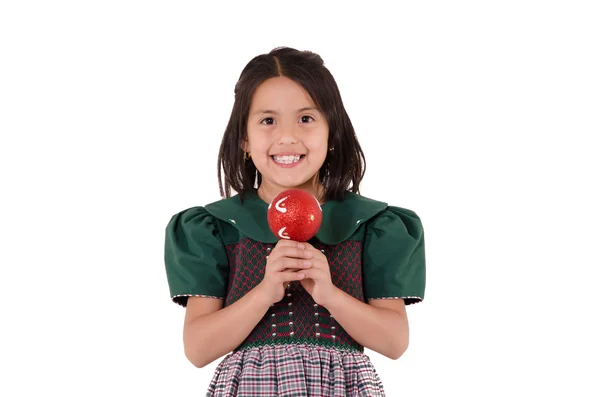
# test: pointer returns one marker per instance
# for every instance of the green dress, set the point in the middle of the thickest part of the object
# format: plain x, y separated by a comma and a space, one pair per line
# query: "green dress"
374, 251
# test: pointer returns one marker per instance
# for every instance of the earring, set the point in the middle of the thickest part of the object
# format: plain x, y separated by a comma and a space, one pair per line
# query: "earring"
331, 149
247, 156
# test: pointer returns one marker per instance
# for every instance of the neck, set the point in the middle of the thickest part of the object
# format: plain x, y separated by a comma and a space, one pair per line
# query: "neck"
266, 192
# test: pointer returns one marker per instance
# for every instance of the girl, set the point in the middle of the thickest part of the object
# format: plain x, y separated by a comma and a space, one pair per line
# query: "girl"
293, 318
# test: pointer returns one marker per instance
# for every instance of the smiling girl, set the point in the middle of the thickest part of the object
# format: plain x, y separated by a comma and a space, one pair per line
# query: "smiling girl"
292, 318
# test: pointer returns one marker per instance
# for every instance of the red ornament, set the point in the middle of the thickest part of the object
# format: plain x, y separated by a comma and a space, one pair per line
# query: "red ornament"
294, 215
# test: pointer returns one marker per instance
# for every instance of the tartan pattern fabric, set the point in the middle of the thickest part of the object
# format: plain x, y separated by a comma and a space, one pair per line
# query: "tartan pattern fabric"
296, 319
345, 260
295, 371
247, 260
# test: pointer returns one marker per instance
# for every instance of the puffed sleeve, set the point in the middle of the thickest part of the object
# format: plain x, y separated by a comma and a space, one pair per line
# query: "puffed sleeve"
394, 256
195, 257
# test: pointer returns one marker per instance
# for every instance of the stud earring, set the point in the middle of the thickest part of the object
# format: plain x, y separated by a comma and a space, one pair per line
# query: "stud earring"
331, 149
247, 156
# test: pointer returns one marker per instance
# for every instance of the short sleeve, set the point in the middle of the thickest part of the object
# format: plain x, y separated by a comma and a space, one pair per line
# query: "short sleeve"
394, 256
195, 257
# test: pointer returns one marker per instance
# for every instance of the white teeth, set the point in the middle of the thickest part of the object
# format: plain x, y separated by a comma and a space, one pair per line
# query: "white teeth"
287, 159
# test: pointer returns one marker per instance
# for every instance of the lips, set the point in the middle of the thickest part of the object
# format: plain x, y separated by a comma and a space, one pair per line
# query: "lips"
287, 160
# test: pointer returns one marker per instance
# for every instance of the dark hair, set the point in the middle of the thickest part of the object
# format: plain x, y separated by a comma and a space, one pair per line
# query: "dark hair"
344, 167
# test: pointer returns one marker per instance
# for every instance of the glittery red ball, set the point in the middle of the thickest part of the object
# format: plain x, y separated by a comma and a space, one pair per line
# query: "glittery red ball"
295, 215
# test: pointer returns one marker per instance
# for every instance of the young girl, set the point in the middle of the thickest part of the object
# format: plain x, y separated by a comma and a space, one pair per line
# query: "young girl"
293, 318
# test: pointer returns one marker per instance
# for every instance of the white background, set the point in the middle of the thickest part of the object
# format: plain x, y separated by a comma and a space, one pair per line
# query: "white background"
479, 116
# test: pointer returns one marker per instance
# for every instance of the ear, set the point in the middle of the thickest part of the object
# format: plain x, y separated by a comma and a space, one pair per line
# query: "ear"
244, 145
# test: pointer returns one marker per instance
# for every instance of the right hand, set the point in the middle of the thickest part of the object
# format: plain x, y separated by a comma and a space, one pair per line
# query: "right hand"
283, 263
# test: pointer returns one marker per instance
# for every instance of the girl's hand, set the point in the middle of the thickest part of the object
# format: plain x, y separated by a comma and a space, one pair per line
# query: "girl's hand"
283, 264
317, 280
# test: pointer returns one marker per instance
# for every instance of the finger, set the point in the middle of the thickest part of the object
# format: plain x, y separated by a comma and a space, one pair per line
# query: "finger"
287, 283
313, 274
289, 276
307, 244
284, 263
312, 248
289, 243
291, 252
320, 262
292, 244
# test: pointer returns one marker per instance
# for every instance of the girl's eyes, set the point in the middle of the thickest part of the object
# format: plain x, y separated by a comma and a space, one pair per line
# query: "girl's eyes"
303, 119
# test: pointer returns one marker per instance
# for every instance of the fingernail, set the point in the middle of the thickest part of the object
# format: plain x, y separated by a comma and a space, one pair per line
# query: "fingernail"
306, 263
300, 275
300, 245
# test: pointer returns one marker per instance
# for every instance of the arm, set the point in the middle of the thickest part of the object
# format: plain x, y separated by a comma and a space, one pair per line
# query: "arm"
207, 322
393, 264
381, 325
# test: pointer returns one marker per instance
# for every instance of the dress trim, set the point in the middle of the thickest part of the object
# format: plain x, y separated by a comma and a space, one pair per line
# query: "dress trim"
179, 302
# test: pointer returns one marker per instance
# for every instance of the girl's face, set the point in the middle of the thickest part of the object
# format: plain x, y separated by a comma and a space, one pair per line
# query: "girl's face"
287, 137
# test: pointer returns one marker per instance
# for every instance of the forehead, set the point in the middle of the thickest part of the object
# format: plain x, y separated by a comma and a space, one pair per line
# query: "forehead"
280, 94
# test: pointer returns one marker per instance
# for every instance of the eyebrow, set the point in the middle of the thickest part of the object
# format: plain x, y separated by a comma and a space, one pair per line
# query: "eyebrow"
268, 111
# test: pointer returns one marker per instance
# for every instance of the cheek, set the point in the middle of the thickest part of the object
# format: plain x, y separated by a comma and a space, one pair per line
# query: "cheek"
318, 151
258, 143
318, 144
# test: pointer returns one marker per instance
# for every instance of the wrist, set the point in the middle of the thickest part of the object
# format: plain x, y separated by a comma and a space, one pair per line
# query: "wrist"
259, 298
335, 297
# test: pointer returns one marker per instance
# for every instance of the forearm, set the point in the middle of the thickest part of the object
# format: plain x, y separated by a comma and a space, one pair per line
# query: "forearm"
382, 330
213, 335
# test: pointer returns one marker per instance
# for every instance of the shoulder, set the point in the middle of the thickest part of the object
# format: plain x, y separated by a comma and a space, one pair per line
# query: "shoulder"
225, 208
220, 210
344, 219
236, 217
381, 217
193, 221
369, 210
245, 215
189, 215
227, 219
397, 220
395, 228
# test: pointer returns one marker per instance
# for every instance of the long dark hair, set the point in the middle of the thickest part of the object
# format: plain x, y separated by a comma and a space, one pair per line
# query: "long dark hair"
344, 167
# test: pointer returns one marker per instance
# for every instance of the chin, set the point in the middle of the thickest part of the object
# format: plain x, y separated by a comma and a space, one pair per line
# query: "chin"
295, 183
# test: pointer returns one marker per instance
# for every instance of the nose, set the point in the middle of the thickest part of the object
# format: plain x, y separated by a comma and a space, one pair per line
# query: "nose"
287, 134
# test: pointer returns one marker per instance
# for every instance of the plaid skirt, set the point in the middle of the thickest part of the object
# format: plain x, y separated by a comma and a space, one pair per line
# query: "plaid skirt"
295, 370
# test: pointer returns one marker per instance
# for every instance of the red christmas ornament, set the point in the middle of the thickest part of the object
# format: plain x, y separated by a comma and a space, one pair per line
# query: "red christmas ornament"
295, 215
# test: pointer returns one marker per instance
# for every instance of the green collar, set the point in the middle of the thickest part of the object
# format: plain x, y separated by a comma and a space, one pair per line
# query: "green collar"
340, 218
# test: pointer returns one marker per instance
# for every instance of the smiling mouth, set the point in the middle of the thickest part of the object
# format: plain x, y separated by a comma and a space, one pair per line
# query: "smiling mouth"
288, 159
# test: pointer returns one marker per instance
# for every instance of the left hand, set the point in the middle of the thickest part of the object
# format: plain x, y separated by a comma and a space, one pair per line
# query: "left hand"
317, 279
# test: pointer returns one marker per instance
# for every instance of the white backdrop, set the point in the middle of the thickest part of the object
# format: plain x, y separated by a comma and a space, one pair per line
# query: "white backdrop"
479, 116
